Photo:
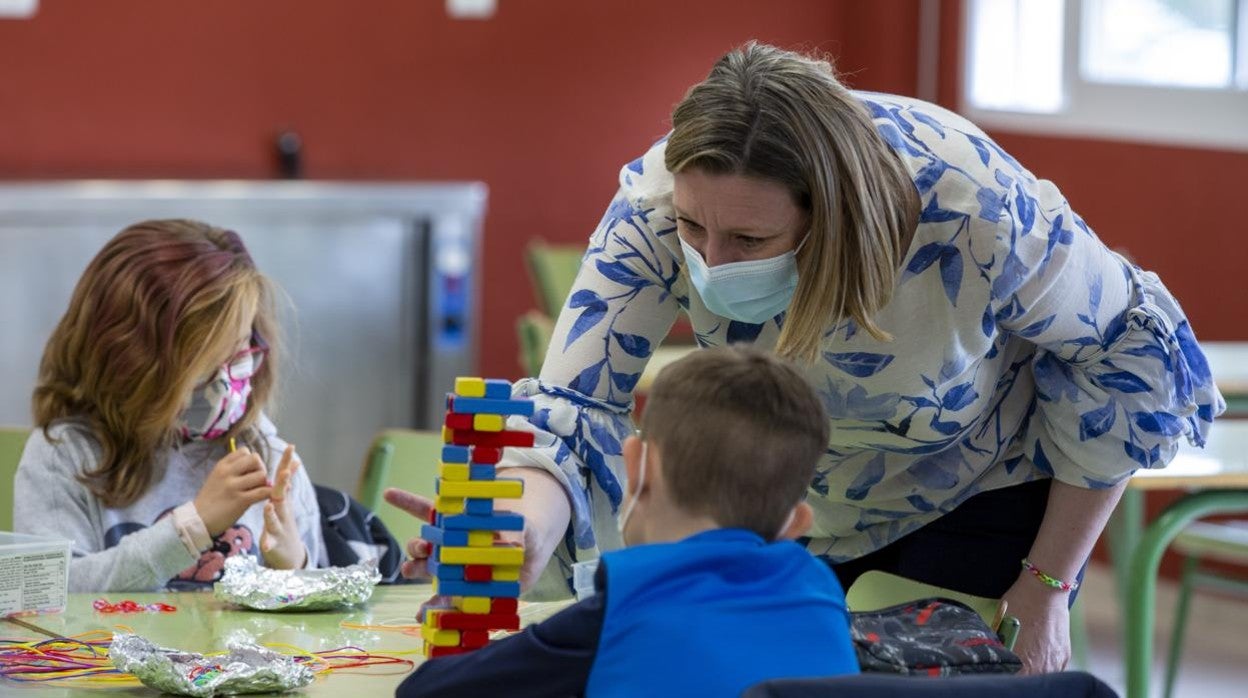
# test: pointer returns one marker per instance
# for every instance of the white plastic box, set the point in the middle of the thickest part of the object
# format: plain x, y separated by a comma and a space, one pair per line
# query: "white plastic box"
34, 574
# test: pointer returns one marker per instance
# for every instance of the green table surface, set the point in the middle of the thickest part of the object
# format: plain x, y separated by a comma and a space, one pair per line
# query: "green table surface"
204, 624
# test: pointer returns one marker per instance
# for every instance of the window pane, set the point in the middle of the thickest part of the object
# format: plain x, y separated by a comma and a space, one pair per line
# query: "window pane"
1015, 58
1158, 42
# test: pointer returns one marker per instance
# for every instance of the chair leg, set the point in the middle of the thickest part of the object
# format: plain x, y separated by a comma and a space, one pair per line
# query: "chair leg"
1190, 564
1078, 637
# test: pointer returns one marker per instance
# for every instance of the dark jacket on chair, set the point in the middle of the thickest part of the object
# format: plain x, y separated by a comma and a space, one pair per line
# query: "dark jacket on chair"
1068, 684
353, 533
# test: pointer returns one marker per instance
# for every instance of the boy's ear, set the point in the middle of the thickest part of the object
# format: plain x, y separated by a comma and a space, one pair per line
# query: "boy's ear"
803, 518
632, 461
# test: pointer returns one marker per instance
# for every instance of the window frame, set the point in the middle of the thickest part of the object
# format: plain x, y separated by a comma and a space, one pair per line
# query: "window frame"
1188, 116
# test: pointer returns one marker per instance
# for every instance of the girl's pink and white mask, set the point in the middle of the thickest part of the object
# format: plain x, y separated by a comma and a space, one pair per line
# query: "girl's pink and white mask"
221, 401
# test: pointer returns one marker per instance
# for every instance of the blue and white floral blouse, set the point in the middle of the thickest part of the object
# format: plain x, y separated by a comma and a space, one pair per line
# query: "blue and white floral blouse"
1023, 348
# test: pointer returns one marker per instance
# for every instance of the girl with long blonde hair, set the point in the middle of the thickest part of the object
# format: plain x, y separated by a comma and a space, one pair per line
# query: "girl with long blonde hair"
153, 453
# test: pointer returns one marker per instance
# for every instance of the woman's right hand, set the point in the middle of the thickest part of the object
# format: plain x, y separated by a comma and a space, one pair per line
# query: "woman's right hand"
235, 483
546, 516
416, 567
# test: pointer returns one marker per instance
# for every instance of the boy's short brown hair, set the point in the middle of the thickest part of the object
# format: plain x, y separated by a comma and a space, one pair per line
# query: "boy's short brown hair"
740, 432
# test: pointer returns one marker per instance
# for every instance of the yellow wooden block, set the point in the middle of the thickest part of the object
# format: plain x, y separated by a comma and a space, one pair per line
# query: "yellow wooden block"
483, 489
472, 604
489, 422
506, 573
497, 555
453, 471
431, 618
480, 539
449, 505
439, 638
446, 434
470, 387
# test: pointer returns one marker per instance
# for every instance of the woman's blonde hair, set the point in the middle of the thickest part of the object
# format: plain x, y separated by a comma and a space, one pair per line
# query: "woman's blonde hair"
153, 313
781, 116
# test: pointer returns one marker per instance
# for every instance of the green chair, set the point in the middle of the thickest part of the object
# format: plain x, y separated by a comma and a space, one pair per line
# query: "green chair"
875, 590
12, 443
553, 269
1225, 541
405, 459
534, 330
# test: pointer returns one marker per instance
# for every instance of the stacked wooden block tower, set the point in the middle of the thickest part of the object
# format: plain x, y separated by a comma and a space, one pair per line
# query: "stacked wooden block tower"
467, 563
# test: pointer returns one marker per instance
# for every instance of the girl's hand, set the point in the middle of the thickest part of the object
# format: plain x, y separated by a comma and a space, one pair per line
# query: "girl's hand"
235, 483
280, 543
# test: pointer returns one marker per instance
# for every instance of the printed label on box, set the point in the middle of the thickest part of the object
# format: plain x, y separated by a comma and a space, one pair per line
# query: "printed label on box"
33, 582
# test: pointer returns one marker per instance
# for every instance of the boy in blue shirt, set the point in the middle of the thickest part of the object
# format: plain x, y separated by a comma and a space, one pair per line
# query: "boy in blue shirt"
713, 596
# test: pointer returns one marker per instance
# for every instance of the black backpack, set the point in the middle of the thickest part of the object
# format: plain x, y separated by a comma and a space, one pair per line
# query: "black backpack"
353, 533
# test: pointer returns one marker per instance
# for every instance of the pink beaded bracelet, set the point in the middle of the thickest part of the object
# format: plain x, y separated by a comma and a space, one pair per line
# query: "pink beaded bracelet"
1048, 580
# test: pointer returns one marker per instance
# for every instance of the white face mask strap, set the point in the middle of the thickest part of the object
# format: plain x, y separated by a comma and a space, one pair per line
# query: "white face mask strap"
787, 522
631, 503
801, 244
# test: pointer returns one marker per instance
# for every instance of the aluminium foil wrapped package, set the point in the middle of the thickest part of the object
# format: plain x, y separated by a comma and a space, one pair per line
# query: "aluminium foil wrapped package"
248, 584
245, 668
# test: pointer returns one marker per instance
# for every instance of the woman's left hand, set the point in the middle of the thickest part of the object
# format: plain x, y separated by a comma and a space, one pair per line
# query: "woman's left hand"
1044, 625
280, 543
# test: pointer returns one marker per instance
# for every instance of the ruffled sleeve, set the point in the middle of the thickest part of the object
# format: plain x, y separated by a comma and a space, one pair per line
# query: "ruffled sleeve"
623, 303
1119, 375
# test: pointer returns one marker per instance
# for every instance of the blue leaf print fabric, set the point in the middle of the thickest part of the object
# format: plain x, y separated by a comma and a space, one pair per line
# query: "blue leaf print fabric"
1022, 348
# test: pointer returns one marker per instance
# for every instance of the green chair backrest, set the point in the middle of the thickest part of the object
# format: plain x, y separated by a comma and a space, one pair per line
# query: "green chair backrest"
875, 590
534, 330
405, 459
554, 269
12, 443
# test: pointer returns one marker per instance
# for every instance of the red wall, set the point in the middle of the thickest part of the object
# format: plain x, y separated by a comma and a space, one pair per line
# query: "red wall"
544, 102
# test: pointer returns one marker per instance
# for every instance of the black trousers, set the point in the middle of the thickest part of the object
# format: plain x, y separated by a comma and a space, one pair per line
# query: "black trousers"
977, 548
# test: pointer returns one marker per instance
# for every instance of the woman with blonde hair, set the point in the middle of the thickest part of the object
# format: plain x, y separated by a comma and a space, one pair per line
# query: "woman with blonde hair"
162, 364
992, 372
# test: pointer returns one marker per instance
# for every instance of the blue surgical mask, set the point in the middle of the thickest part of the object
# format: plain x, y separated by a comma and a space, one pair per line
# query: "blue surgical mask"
753, 291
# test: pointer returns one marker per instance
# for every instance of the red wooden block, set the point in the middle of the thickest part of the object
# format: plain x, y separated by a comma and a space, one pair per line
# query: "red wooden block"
478, 621
472, 639
496, 439
432, 652
485, 455
459, 421
504, 606
478, 573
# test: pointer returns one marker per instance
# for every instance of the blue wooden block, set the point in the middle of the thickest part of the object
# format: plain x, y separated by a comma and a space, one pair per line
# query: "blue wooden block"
441, 572
454, 454
496, 389
433, 534
481, 472
495, 590
480, 405
446, 573
502, 521
438, 536
479, 507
